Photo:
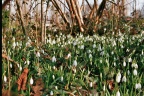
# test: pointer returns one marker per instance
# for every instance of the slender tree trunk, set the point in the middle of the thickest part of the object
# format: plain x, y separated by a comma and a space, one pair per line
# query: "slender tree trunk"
42, 24
60, 12
21, 19
46, 20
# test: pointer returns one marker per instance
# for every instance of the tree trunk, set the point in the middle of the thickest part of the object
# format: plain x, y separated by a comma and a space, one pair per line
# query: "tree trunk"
42, 24
21, 19
76, 14
60, 12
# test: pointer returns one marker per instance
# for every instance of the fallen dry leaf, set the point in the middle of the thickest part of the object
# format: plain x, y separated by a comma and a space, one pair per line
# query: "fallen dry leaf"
22, 80
37, 89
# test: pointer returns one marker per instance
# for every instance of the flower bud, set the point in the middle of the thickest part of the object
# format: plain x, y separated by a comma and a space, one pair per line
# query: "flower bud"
135, 72
118, 77
118, 93
31, 81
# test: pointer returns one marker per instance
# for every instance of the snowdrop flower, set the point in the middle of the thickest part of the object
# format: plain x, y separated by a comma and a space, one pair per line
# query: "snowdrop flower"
99, 48
74, 70
37, 54
118, 93
135, 72
114, 43
17, 44
134, 65
10, 65
91, 85
42, 51
142, 52
118, 77
14, 45
104, 88
89, 51
20, 68
31, 81
53, 59
112, 52
82, 47
53, 77
13, 39
28, 62
56, 87
114, 63
51, 93
124, 79
61, 78
138, 86
127, 50
94, 45
54, 67
75, 63
129, 59
100, 60
74, 43
5, 78
28, 43
69, 55
124, 63
90, 55
128, 72
104, 29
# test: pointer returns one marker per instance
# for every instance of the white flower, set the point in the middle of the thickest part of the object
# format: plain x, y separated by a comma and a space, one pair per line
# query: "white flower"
5, 79
114, 63
42, 51
134, 65
53, 76
56, 87
53, 59
104, 88
90, 55
118, 77
69, 55
128, 72
14, 45
82, 47
37, 54
135, 72
20, 68
74, 70
51, 93
61, 78
129, 59
91, 85
104, 29
114, 43
75, 63
138, 86
31, 81
10, 65
28, 62
94, 45
99, 48
124, 79
118, 93
124, 63
74, 43
89, 51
